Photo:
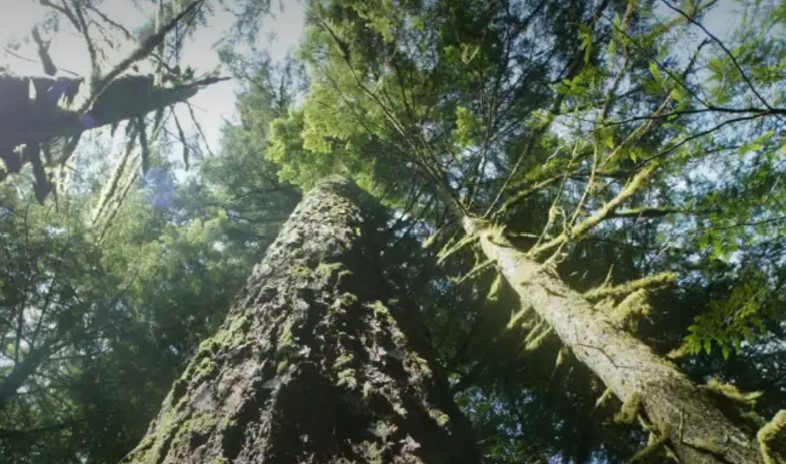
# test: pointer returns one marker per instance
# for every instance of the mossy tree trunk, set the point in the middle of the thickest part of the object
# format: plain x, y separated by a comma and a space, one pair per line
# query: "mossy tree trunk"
681, 414
315, 362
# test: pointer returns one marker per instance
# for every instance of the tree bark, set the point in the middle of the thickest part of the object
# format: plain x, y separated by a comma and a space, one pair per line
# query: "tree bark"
698, 431
315, 363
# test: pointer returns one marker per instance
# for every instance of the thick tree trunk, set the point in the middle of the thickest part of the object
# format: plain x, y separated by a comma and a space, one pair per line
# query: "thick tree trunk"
699, 432
314, 364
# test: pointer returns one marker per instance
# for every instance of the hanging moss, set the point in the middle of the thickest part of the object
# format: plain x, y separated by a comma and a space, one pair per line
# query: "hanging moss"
631, 310
772, 439
629, 411
649, 282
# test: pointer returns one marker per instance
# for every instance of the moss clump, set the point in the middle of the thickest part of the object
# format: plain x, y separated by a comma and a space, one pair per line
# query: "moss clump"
772, 439
282, 366
347, 377
328, 269
301, 272
286, 338
206, 367
342, 302
732, 392
400, 410
439, 417
652, 447
367, 389
343, 360
629, 411
654, 281
629, 312
374, 452
380, 310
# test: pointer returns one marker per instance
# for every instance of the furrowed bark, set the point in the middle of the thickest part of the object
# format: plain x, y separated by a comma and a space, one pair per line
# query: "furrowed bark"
698, 431
314, 363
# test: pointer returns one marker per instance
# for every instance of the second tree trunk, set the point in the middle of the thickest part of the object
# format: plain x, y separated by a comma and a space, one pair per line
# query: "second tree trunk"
697, 431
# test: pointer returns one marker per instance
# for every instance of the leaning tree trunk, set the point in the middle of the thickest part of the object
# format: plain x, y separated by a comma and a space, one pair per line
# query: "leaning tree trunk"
696, 429
314, 363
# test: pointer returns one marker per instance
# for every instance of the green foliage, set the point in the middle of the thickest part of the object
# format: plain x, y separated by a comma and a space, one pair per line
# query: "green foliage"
739, 317
116, 317
427, 103
535, 115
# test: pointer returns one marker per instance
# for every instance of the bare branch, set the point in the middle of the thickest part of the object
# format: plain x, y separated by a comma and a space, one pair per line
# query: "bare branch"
199, 128
725, 50
95, 71
183, 140
109, 21
43, 53
144, 49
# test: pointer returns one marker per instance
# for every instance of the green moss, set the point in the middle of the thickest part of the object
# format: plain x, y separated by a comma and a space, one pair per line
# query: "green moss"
301, 272
439, 417
733, 393
347, 377
343, 360
367, 389
649, 282
374, 452
714, 445
210, 345
629, 411
286, 338
422, 364
653, 447
206, 367
631, 310
383, 429
345, 300
772, 439
380, 310
231, 337
282, 366
327, 269
400, 410
536, 337
603, 398
204, 422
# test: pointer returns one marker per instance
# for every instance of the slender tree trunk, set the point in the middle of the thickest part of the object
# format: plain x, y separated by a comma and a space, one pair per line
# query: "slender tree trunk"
699, 432
314, 363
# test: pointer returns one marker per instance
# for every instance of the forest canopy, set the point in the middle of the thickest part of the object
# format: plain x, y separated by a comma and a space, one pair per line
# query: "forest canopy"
568, 245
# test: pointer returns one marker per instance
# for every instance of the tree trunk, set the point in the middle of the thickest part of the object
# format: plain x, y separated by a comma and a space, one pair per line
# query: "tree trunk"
314, 363
698, 431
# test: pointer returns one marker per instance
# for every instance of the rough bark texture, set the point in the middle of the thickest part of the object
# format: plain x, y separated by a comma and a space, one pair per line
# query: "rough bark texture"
698, 431
314, 364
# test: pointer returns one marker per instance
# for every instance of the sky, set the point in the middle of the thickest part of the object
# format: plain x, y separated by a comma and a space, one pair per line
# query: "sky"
215, 104
212, 106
